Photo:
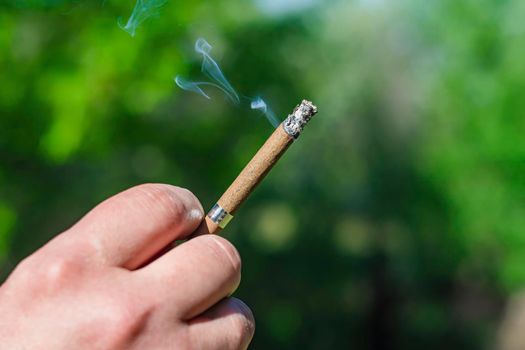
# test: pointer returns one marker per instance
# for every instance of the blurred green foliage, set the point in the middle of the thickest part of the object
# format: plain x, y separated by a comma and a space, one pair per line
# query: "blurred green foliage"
396, 222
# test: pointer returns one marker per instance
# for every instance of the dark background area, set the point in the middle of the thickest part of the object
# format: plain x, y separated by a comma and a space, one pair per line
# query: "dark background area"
395, 222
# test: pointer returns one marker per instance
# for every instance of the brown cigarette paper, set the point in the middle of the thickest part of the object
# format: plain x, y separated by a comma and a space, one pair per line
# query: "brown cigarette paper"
257, 168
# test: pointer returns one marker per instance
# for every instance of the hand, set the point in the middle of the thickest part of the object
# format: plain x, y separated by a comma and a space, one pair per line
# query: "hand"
104, 284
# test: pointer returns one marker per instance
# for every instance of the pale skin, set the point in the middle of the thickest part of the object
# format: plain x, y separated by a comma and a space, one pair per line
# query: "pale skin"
109, 283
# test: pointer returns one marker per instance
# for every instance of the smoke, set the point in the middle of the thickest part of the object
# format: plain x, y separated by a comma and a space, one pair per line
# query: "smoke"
259, 104
143, 10
212, 70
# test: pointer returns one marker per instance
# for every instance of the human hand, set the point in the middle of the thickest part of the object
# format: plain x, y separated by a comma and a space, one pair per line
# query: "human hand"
102, 284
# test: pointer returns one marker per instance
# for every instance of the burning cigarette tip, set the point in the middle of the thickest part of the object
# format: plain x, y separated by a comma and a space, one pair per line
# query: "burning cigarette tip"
295, 123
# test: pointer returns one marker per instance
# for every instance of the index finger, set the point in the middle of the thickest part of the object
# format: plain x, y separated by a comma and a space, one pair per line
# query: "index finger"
129, 229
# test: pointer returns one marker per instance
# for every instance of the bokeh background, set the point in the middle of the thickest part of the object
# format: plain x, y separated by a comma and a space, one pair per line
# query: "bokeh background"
396, 222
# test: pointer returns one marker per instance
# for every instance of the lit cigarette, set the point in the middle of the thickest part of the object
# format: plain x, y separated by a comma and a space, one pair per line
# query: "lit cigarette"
267, 156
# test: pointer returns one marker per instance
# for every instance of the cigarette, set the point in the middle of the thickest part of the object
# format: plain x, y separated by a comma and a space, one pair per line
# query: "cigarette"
258, 167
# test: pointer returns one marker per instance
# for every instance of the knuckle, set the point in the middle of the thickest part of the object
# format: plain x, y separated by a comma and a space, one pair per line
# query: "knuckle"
165, 199
57, 273
243, 325
119, 316
226, 252
116, 324
47, 274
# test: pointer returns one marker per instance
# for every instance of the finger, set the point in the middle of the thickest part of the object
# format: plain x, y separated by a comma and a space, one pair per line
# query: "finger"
227, 325
193, 276
130, 228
